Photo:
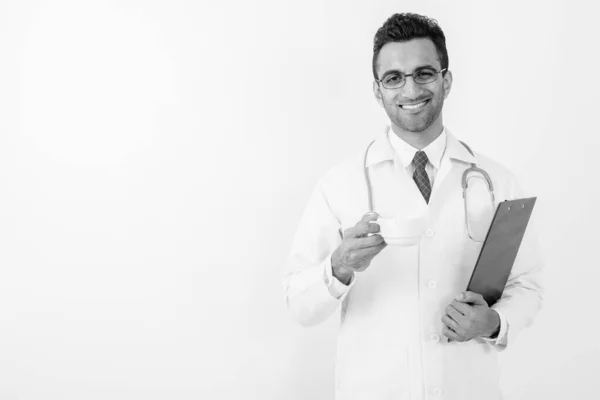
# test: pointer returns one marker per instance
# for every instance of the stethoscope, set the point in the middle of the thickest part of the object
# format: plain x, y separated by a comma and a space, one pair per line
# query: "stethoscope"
469, 173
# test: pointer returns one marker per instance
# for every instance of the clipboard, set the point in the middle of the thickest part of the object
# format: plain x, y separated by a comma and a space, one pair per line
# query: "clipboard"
500, 248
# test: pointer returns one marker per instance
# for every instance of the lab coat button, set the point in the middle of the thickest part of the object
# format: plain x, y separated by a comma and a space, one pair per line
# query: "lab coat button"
429, 233
432, 285
434, 337
436, 391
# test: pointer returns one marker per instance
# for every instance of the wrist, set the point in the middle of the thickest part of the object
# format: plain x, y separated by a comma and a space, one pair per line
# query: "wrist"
494, 323
342, 274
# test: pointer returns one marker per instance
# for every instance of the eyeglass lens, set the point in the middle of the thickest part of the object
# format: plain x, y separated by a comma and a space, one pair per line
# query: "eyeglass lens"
422, 76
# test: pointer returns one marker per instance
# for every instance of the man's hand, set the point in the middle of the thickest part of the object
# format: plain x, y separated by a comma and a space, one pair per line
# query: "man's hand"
469, 316
357, 249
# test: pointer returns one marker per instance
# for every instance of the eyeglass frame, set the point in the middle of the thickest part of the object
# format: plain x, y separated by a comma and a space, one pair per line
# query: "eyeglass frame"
411, 75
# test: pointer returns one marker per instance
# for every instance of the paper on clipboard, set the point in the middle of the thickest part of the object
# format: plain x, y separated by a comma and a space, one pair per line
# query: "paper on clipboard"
500, 248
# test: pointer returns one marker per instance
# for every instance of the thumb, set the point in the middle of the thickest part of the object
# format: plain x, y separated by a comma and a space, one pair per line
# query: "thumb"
472, 298
370, 216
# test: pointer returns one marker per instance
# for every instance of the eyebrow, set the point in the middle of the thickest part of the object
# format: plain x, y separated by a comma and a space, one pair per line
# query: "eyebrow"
397, 71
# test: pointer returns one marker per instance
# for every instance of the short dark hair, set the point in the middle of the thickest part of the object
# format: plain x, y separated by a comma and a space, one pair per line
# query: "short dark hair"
407, 26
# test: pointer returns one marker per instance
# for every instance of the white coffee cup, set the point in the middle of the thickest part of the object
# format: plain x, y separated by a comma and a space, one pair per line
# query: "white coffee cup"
401, 231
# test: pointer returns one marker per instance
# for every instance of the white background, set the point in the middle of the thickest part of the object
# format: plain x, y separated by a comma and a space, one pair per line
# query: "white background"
156, 156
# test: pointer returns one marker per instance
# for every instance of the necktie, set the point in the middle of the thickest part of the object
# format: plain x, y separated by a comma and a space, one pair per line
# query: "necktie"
420, 175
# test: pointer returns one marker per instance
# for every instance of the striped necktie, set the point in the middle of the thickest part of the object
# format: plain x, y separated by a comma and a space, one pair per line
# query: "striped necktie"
420, 175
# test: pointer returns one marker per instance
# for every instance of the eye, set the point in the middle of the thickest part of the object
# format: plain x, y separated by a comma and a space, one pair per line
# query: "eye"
392, 79
425, 74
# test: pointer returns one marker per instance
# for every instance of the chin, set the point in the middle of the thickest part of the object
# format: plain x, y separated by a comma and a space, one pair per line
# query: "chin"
418, 125
415, 128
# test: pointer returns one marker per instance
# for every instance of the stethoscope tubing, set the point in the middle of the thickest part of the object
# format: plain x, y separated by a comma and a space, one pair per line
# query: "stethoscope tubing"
464, 182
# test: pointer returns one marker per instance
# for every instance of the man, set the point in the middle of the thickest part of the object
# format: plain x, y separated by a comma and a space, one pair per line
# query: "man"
408, 328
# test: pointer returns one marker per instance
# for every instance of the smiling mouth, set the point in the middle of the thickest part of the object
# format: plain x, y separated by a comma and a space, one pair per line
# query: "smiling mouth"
414, 106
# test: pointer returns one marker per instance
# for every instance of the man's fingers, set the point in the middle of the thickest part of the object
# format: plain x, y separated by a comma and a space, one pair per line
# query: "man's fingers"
366, 242
451, 323
364, 226
472, 298
450, 334
358, 260
462, 308
370, 216
362, 229
360, 254
454, 314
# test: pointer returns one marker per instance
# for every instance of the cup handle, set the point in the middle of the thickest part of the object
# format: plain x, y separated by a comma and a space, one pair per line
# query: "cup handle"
372, 222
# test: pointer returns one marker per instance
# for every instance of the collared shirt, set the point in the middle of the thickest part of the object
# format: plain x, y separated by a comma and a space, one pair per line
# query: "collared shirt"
404, 156
406, 153
390, 342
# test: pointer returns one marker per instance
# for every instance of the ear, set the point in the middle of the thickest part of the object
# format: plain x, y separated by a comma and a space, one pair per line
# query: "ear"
377, 93
447, 84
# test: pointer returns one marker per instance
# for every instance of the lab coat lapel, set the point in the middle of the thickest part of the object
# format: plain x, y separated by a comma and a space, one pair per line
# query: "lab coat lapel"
456, 156
455, 151
397, 194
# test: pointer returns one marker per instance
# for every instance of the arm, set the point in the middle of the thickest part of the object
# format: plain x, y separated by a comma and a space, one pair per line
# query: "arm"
523, 294
312, 292
469, 315
498, 336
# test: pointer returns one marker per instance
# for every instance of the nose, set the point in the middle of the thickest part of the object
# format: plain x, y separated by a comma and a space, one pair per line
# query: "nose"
411, 89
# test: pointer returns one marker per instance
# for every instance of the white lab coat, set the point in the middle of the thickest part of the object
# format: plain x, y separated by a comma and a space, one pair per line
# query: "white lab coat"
390, 343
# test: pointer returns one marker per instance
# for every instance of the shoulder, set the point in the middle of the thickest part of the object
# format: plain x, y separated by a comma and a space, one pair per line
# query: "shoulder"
343, 185
493, 166
504, 180
350, 165
344, 173
499, 174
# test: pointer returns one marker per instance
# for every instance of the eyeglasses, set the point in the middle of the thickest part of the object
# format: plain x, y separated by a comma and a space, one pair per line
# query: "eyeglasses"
421, 76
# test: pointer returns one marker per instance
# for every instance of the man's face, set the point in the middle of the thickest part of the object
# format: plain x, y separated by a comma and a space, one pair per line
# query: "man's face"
413, 107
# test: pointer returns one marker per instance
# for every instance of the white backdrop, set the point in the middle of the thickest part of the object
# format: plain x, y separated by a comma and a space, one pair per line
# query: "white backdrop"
156, 156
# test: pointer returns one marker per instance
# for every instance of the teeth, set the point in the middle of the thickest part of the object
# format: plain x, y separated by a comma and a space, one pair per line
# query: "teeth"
413, 106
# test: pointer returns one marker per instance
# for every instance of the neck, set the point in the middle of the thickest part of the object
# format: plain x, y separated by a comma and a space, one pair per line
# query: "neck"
420, 140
